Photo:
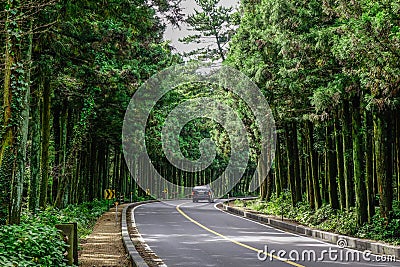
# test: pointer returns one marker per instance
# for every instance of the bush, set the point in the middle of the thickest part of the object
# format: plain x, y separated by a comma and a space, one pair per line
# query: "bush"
327, 219
85, 215
32, 244
340, 222
321, 215
380, 229
36, 241
239, 203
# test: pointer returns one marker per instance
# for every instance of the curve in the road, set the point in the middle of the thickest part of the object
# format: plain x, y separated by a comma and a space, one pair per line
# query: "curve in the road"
203, 235
232, 240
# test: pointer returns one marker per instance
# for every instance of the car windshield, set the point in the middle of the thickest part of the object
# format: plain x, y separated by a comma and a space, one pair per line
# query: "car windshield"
201, 188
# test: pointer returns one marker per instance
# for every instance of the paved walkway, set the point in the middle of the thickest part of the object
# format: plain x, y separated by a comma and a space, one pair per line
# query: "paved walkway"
104, 247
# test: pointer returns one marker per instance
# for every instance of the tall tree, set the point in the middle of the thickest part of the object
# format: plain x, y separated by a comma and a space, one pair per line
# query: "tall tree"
335, 64
214, 26
359, 177
85, 60
16, 96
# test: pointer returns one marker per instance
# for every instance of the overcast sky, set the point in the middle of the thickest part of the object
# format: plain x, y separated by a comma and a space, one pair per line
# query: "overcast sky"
174, 34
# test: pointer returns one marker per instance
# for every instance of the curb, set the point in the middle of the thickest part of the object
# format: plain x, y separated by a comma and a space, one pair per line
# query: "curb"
137, 260
351, 242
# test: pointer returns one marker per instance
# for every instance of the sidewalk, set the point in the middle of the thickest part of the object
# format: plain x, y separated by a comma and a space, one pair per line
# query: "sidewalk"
104, 247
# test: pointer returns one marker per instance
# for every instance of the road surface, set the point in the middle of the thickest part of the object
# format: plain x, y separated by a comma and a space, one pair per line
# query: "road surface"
199, 234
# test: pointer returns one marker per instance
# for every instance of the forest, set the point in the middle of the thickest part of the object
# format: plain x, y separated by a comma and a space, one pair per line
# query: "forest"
330, 71
69, 71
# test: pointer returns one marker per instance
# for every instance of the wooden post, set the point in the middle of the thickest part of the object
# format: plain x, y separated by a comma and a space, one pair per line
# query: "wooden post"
70, 234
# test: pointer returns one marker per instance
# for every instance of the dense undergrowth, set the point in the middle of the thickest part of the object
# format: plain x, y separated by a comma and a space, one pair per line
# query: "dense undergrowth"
36, 241
328, 219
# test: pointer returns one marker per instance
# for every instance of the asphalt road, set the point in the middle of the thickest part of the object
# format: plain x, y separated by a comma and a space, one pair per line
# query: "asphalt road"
198, 234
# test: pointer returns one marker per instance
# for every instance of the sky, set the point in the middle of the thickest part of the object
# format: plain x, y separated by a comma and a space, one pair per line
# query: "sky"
174, 34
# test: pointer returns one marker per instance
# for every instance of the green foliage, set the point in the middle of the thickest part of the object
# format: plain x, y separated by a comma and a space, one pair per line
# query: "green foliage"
216, 24
328, 219
314, 59
198, 129
380, 229
309, 56
85, 215
282, 46
341, 222
33, 244
36, 242
112, 49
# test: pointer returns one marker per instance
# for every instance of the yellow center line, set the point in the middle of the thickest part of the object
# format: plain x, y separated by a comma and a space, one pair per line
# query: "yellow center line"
234, 241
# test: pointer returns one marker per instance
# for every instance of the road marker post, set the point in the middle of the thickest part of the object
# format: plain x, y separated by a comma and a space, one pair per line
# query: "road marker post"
165, 193
116, 213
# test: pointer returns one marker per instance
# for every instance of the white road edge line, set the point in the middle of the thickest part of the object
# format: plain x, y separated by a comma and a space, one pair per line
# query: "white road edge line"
279, 230
269, 226
140, 238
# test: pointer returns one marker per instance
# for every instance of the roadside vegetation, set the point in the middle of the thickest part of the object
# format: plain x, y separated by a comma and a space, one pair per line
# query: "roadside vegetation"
36, 241
327, 219
67, 72
328, 69
330, 72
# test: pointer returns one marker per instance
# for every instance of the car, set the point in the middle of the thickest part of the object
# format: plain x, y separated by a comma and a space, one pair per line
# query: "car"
202, 192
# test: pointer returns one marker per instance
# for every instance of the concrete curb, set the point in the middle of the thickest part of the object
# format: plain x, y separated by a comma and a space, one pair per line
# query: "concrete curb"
351, 242
137, 260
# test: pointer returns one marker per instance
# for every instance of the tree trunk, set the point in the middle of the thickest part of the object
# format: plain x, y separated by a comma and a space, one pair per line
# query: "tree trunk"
16, 97
45, 142
290, 164
303, 164
17, 185
7, 158
7, 139
35, 153
282, 159
220, 50
383, 158
296, 164
323, 159
332, 169
347, 153
269, 181
314, 163
311, 197
57, 152
263, 182
397, 134
359, 177
91, 170
369, 176
278, 169
339, 159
